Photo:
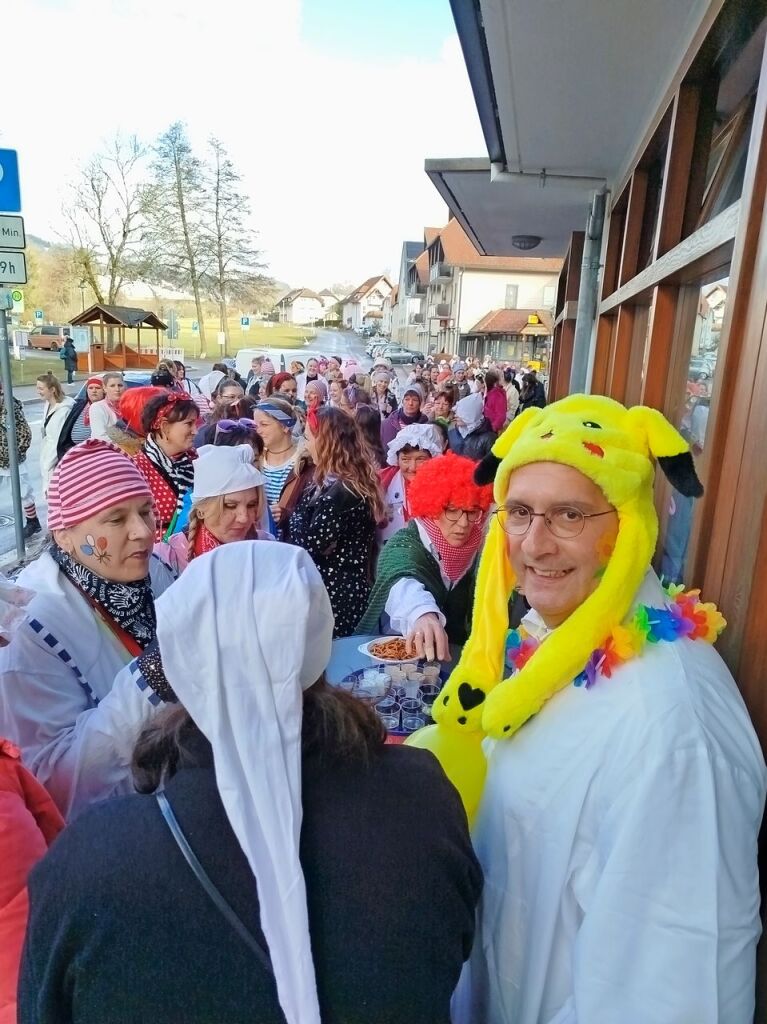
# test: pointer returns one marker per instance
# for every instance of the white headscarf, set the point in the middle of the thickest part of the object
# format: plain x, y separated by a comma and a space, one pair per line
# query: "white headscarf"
224, 469
417, 435
239, 665
210, 382
470, 410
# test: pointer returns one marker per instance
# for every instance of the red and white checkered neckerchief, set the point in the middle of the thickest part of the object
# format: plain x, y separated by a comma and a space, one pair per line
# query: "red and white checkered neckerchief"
455, 562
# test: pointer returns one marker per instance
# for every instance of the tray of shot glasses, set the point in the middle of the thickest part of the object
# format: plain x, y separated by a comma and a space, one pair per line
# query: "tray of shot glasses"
401, 695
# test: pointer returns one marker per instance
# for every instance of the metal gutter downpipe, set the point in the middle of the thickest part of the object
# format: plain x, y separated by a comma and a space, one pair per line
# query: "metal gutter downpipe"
587, 293
498, 172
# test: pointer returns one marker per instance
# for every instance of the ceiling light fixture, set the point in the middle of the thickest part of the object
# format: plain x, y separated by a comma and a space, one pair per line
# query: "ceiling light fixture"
526, 241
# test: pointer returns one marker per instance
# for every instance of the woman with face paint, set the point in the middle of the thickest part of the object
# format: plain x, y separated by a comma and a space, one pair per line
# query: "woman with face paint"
68, 697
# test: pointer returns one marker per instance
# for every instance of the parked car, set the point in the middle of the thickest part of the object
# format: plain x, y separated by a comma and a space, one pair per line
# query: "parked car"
50, 336
702, 367
398, 354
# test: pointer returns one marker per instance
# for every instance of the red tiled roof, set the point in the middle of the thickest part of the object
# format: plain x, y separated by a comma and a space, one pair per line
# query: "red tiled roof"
429, 234
422, 267
510, 321
393, 295
367, 286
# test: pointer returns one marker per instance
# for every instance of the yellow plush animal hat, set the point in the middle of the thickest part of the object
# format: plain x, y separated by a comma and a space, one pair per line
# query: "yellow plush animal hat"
612, 446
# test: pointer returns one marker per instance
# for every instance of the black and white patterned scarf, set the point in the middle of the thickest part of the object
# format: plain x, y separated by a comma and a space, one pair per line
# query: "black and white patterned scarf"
130, 605
179, 472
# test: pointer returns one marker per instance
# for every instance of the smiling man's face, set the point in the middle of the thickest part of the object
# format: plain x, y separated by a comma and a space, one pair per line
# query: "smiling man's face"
557, 574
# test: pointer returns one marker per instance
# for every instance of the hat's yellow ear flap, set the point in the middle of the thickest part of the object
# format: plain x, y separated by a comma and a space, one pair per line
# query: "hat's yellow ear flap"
667, 445
480, 666
487, 468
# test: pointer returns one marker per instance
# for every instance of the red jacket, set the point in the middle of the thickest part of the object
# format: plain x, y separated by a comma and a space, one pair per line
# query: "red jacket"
29, 822
495, 408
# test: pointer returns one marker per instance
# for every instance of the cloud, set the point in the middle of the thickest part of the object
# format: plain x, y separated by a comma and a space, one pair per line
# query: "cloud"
331, 145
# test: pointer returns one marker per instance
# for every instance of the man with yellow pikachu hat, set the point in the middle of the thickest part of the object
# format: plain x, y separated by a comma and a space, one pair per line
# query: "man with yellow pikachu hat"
624, 787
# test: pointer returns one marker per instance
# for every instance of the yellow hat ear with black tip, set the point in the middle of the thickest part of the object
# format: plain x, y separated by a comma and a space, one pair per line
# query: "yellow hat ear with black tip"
488, 467
668, 447
480, 666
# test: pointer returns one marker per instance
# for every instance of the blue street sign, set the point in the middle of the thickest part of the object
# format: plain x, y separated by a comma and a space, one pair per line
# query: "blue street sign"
245, 321
10, 192
195, 326
39, 315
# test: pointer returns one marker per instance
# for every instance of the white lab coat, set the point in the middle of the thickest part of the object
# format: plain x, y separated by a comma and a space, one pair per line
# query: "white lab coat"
618, 835
79, 746
54, 418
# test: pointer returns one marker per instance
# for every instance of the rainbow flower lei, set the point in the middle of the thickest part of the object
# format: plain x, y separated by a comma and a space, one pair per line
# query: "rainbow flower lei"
683, 615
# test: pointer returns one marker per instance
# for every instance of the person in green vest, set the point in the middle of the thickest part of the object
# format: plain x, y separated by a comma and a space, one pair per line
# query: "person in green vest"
425, 576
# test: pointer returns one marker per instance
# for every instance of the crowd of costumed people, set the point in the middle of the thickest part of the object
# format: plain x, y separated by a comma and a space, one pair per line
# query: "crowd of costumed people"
199, 821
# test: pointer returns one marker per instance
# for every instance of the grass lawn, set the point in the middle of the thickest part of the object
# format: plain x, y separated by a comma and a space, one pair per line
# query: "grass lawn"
260, 335
26, 371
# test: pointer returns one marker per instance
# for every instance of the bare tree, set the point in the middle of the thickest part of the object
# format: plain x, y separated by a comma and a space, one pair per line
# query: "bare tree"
104, 212
174, 207
236, 268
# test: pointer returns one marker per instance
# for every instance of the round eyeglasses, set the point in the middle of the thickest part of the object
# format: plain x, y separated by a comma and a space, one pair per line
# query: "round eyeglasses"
454, 515
564, 521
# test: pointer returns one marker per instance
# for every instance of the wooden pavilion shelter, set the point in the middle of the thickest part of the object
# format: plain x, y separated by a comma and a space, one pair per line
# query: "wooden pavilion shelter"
111, 348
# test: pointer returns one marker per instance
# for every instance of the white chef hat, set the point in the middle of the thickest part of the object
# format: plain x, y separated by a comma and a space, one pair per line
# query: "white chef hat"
224, 469
247, 699
416, 435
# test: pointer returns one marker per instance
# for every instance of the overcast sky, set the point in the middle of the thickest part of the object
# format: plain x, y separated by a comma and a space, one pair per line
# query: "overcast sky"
328, 107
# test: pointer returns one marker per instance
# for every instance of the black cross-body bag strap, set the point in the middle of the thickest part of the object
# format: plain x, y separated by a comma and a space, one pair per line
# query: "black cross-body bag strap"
202, 877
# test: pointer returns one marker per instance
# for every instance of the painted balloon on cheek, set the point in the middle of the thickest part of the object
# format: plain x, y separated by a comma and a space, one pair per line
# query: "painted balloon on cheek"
96, 548
604, 549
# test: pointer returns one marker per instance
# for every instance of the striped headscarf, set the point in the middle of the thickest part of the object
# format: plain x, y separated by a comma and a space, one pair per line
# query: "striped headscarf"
270, 409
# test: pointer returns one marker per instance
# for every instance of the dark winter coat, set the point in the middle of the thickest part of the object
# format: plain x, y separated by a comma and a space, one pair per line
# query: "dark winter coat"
70, 356
121, 931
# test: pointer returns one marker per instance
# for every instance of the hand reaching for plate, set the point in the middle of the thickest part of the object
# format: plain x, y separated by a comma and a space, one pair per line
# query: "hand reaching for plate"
428, 638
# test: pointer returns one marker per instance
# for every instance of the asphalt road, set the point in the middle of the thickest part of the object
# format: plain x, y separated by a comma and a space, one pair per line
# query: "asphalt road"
328, 343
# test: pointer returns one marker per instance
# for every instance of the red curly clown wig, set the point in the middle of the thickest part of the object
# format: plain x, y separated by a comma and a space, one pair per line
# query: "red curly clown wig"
132, 404
447, 480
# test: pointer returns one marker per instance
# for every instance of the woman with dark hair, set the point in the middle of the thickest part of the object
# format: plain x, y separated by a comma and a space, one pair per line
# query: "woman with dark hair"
231, 432
512, 394
284, 385
165, 459
442, 407
289, 853
495, 402
240, 408
369, 422
335, 520
77, 426
533, 393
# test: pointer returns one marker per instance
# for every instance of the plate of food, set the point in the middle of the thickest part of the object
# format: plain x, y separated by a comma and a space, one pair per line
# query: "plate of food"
389, 650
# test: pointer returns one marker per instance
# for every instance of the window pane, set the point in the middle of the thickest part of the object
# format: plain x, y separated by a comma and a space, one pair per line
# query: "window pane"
512, 291
693, 420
